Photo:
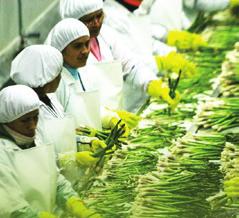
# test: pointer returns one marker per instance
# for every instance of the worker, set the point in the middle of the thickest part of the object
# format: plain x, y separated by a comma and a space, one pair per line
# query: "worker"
177, 14
139, 81
30, 184
77, 92
71, 37
39, 67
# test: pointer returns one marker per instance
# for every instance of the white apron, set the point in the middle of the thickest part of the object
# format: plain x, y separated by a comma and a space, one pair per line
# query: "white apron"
110, 83
61, 133
36, 171
85, 107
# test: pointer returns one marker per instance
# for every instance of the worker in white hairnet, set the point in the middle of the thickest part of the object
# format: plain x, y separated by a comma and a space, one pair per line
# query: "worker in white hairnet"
79, 83
77, 92
139, 80
30, 185
178, 14
39, 67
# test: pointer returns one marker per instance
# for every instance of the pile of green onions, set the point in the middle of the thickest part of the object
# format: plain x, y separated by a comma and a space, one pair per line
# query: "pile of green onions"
219, 113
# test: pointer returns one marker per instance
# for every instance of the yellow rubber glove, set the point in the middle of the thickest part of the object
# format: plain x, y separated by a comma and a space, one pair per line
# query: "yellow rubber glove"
77, 208
97, 144
111, 118
173, 103
157, 88
114, 121
234, 3
130, 119
85, 158
44, 214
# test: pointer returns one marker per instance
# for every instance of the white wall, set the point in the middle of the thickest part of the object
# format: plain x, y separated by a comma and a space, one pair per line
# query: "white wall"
37, 16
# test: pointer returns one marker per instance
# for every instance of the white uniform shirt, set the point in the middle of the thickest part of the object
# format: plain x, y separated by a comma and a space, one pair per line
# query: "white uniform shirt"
136, 74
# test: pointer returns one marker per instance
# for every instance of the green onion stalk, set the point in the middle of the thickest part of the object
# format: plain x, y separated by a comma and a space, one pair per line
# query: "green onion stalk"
100, 134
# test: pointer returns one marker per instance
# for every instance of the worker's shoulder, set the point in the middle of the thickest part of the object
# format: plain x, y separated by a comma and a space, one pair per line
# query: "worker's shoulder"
107, 31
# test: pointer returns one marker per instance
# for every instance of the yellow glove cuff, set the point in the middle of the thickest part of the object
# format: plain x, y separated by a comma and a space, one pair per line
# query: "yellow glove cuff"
44, 214
129, 118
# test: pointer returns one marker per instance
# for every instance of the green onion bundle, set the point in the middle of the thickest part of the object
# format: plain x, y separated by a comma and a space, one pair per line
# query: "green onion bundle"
228, 80
219, 114
227, 200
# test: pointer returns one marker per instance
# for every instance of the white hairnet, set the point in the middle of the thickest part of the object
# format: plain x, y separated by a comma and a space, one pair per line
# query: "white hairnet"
36, 65
17, 101
79, 8
66, 31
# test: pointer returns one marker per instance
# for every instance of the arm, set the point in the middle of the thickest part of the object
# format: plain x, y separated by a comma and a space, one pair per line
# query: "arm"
135, 72
67, 198
64, 191
206, 5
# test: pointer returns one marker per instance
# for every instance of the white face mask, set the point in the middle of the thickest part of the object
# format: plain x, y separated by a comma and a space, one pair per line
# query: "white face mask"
19, 138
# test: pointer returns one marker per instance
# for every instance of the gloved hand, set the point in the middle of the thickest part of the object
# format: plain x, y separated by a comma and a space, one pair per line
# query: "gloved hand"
172, 102
234, 3
113, 123
111, 118
130, 119
76, 207
85, 158
157, 88
97, 144
44, 214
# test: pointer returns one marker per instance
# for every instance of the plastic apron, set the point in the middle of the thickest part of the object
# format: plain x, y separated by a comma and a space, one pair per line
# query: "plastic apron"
61, 133
37, 174
110, 83
85, 107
